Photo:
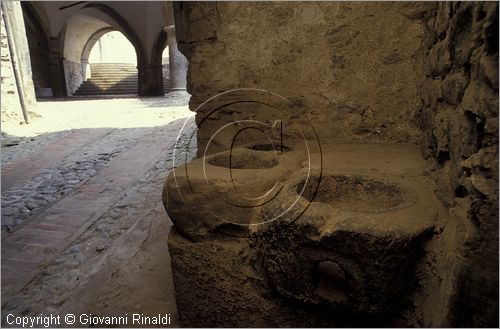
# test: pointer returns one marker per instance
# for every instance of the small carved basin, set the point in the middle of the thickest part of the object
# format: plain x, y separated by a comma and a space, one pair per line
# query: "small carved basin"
355, 193
244, 160
276, 146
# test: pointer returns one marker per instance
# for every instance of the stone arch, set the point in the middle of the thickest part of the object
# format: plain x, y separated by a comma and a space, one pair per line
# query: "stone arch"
124, 27
160, 44
33, 15
75, 57
91, 42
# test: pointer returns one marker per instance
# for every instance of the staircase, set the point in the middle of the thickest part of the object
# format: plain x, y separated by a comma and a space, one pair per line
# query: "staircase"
113, 79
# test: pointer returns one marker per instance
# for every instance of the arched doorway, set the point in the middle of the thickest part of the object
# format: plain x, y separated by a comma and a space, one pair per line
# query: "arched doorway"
110, 65
70, 28
83, 30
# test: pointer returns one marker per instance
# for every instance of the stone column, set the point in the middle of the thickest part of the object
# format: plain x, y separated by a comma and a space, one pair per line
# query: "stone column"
178, 63
57, 69
150, 80
86, 70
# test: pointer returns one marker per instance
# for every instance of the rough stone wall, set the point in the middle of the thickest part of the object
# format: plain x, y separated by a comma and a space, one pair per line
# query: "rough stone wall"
11, 103
460, 116
11, 107
75, 75
352, 68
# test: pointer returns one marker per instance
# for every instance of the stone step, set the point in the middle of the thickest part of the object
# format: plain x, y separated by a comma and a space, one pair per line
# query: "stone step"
91, 83
105, 92
113, 79
104, 74
114, 71
114, 87
110, 82
92, 88
94, 72
113, 67
112, 64
110, 91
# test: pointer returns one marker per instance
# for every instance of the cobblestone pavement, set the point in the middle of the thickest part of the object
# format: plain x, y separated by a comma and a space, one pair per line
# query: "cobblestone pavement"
88, 234
53, 183
18, 147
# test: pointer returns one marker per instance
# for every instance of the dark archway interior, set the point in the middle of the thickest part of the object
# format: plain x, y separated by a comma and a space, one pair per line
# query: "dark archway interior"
39, 47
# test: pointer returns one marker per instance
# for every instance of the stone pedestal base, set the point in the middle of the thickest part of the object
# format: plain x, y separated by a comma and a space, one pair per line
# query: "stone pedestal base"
338, 244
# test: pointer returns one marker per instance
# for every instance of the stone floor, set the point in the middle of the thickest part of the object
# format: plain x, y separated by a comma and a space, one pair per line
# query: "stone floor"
83, 227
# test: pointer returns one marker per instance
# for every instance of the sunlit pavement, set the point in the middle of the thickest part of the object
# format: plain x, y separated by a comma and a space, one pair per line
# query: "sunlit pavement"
79, 113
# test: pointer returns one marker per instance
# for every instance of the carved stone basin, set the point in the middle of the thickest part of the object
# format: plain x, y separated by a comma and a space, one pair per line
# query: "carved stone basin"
243, 160
356, 245
275, 146
221, 194
355, 193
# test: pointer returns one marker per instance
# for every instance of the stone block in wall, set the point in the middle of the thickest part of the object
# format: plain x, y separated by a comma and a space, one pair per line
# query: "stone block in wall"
464, 132
439, 59
488, 68
74, 75
11, 107
453, 87
425, 92
461, 35
429, 38
479, 99
436, 97
18, 42
442, 18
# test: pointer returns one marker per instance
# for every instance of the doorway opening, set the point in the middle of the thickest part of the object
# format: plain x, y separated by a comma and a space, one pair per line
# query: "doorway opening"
110, 65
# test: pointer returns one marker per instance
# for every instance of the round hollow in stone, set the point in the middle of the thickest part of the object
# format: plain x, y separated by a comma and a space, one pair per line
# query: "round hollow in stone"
243, 161
352, 192
277, 147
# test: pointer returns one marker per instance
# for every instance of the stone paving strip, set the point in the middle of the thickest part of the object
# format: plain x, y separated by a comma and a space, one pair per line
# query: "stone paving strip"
14, 148
50, 232
53, 183
18, 172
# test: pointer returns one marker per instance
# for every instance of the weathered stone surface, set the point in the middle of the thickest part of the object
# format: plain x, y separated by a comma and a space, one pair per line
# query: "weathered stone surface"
439, 59
336, 51
373, 229
11, 102
224, 183
453, 87
464, 137
74, 75
366, 230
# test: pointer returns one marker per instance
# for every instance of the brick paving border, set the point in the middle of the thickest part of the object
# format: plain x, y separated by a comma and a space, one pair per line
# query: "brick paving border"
17, 172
